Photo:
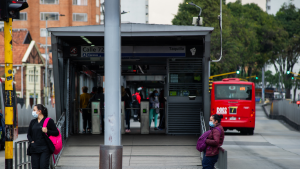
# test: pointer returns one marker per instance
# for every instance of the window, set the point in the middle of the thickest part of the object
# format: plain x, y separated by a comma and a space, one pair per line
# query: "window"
97, 3
31, 76
97, 18
80, 17
43, 32
80, 2
23, 16
233, 91
49, 1
49, 16
269, 7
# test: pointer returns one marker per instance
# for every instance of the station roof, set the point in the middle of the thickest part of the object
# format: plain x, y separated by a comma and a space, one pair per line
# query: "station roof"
134, 29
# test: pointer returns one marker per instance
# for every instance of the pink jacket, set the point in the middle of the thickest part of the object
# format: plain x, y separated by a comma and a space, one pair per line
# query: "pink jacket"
214, 141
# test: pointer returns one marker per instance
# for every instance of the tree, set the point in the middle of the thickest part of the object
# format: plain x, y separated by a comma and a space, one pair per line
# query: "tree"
287, 55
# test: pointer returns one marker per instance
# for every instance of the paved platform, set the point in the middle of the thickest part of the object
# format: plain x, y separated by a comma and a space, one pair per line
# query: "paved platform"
139, 151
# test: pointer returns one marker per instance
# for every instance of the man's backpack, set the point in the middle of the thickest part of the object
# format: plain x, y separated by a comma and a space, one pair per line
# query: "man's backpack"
134, 99
56, 140
201, 145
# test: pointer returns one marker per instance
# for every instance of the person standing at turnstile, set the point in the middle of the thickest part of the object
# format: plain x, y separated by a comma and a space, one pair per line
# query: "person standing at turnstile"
128, 100
136, 101
154, 111
86, 116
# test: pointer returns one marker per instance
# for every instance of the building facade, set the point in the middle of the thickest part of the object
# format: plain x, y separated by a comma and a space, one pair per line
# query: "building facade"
28, 67
59, 13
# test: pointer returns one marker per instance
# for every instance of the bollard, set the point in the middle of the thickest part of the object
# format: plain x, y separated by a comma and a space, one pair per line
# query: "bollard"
110, 157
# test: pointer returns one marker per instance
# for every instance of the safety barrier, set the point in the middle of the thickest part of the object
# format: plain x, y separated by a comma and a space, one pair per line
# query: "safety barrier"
222, 160
21, 158
25, 116
285, 110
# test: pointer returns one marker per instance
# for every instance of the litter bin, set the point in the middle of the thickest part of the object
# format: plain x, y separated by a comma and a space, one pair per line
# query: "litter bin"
144, 117
110, 157
96, 118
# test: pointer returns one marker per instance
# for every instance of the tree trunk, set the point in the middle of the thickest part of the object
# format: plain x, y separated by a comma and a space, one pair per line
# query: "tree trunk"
296, 86
287, 93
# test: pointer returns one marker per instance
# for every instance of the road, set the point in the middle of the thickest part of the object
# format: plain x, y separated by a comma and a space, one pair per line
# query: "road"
274, 145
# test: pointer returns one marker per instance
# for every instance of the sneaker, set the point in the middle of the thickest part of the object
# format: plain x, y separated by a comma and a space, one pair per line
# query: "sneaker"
83, 132
155, 128
128, 130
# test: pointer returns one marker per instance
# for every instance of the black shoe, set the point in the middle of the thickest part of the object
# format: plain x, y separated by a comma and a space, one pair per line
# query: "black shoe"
156, 128
83, 132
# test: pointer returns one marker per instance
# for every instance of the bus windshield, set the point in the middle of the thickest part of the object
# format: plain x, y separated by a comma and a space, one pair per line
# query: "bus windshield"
233, 91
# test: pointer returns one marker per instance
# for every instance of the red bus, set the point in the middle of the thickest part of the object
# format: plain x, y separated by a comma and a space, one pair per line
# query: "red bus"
235, 100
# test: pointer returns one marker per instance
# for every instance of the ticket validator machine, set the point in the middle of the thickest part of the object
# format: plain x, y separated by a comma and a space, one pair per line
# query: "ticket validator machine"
96, 118
145, 117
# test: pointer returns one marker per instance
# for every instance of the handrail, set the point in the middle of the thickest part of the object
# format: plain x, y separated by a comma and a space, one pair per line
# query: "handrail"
22, 162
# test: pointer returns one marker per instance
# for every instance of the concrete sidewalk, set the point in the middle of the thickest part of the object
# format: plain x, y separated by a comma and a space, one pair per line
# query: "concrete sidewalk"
139, 152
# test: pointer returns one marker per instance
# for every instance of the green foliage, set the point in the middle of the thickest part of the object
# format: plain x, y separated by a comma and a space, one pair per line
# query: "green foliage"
251, 37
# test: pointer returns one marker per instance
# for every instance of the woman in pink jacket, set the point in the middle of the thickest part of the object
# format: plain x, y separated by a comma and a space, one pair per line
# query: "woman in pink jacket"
214, 142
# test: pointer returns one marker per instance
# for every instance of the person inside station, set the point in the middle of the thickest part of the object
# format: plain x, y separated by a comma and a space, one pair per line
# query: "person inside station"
86, 116
99, 96
154, 108
127, 100
162, 102
94, 91
136, 101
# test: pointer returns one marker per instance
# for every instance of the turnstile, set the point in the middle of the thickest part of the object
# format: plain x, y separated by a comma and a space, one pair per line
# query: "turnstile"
96, 118
123, 117
144, 117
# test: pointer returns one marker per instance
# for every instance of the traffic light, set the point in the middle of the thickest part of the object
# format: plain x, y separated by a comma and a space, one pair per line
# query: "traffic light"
11, 9
256, 76
293, 78
237, 70
288, 72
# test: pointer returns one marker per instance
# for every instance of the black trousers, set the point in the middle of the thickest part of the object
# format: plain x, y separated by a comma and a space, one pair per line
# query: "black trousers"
86, 117
40, 160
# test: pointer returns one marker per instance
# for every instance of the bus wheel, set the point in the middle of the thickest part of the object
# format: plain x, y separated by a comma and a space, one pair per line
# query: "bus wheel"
250, 131
1, 146
244, 132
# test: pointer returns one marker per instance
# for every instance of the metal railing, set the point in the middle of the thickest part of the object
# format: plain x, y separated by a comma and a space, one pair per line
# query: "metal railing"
61, 126
21, 158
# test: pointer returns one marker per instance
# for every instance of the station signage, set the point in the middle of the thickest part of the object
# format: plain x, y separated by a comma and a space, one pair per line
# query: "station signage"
137, 51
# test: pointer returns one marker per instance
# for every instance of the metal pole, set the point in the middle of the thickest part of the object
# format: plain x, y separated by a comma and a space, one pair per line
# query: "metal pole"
111, 152
263, 84
112, 44
9, 131
34, 98
46, 69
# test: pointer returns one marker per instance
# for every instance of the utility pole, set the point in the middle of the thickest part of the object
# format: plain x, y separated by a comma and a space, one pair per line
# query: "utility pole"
46, 69
263, 84
9, 109
9, 10
34, 94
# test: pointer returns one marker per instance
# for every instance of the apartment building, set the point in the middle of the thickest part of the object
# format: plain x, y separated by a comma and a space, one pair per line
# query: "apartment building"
59, 13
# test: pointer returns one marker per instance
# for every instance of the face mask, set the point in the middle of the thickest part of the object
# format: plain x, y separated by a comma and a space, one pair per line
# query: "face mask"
211, 124
156, 94
34, 114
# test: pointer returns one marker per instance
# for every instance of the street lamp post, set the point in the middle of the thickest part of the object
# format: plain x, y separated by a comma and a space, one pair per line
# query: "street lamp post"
46, 68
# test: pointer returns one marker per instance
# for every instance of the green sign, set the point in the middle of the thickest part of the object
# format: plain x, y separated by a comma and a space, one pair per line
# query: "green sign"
173, 93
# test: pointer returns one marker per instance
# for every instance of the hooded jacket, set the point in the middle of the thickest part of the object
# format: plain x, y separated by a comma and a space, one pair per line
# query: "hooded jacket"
214, 141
